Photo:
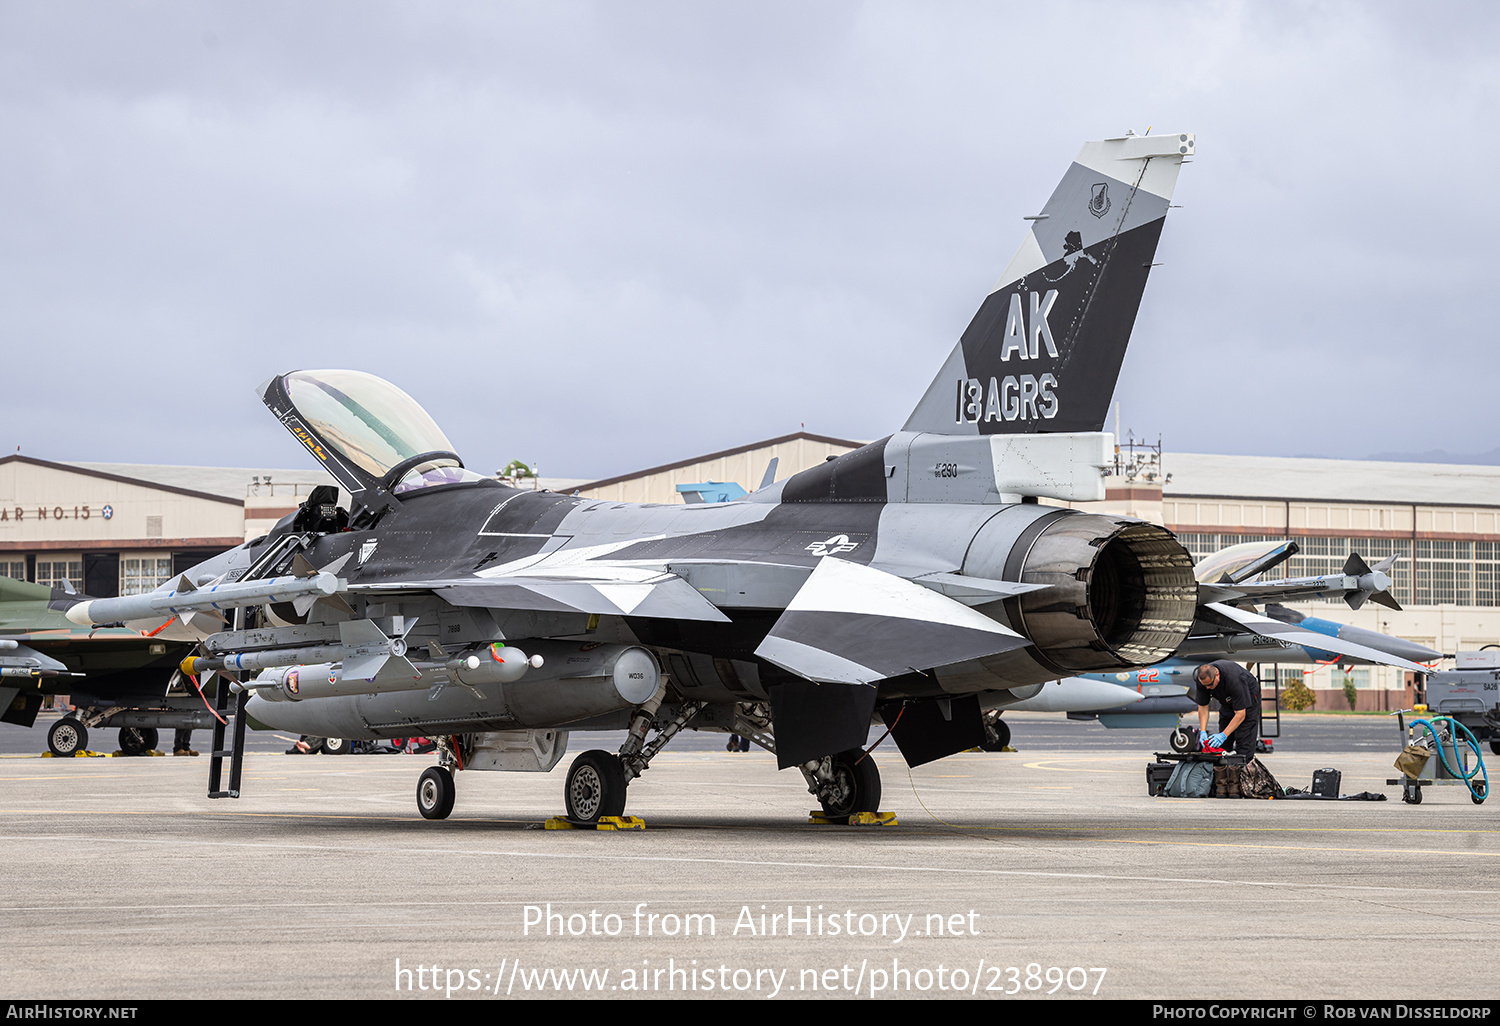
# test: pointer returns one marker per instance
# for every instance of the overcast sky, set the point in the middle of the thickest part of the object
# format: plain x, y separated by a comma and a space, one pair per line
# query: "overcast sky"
603, 236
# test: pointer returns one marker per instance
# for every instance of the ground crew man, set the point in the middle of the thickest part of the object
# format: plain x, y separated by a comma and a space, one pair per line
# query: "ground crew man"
1238, 693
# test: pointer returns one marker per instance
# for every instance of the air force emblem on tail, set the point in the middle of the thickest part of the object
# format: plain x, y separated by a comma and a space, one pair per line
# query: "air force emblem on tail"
1016, 396
1099, 199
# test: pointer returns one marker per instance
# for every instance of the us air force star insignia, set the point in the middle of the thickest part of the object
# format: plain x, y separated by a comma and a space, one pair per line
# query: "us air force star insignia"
833, 546
108, 512
367, 550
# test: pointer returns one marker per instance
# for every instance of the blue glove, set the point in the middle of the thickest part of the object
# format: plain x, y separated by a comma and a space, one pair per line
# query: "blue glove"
1216, 741
1202, 737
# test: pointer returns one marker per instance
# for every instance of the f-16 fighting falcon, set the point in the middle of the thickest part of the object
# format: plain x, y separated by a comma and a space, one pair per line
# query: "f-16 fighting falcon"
917, 579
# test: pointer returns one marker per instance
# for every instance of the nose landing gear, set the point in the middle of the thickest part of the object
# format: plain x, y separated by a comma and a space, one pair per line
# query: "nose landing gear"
435, 792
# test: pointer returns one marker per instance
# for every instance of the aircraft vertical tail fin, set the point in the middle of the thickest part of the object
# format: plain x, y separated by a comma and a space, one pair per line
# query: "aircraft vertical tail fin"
1044, 350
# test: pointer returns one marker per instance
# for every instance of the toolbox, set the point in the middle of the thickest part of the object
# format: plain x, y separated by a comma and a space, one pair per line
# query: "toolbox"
1326, 783
1157, 774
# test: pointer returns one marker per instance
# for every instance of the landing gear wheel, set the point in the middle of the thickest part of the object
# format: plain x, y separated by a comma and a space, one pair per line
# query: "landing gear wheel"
137, 740
335, 746
855, 788
997, 735
435, 793
67, 737
1181, 741
595, 787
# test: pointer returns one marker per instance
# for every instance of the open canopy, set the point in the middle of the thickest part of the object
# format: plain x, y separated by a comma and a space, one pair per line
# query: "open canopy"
368, 420
376, 433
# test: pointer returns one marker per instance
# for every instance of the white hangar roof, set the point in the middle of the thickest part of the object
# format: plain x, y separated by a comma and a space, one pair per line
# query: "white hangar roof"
1278, 477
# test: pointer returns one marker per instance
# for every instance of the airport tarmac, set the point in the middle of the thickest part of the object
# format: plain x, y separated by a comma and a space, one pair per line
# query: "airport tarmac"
1011, 874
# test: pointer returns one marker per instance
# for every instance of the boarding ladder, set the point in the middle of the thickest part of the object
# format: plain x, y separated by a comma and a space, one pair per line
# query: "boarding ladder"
1270, 699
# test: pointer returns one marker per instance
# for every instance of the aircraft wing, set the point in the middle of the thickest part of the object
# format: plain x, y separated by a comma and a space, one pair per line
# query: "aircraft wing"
1278, 631
852, 624
603, 588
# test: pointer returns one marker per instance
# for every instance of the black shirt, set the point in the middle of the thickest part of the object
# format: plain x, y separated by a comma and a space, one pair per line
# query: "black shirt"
1237, 689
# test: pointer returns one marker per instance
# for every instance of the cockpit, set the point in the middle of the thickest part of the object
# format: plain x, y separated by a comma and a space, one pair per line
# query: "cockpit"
373, 427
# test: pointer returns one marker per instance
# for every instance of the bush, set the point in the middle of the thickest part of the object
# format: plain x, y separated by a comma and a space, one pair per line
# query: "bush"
1351, 694
1297, 697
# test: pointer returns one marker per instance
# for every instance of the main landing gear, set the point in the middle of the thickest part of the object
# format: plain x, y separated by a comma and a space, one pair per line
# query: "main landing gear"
996, 733
844, 784
596, 782
595, 787
138, 740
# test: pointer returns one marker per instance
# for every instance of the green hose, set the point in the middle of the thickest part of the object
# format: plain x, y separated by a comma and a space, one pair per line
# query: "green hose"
1476, 792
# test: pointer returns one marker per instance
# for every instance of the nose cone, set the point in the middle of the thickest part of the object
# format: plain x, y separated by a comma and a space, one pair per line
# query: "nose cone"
1399, 647
79, 614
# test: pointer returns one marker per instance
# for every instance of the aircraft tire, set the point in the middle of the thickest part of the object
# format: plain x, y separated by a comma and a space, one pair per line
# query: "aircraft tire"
435, 793
856, 786
595, 787
138, 740
335, 746
997, 735
67, 737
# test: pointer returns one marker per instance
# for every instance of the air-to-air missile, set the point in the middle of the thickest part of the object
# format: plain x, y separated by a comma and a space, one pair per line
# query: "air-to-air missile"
18, 660
187, 599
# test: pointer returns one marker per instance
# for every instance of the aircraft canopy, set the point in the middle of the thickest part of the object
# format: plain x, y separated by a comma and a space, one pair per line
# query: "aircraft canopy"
374, 425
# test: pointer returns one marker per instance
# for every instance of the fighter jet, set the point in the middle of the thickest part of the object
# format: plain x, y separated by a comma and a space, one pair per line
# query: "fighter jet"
918, 578
115, 677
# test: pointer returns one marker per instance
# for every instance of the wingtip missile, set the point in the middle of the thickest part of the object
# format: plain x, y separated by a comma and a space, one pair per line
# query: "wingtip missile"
158, 604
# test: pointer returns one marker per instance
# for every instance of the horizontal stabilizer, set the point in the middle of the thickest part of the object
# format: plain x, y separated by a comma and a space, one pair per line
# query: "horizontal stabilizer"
851, 624
1294, 635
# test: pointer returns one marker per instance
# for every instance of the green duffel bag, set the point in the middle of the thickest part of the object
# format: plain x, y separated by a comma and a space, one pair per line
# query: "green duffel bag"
1191, 780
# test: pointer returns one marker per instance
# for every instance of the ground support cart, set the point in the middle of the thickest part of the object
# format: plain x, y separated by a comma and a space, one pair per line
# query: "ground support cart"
1452, 756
